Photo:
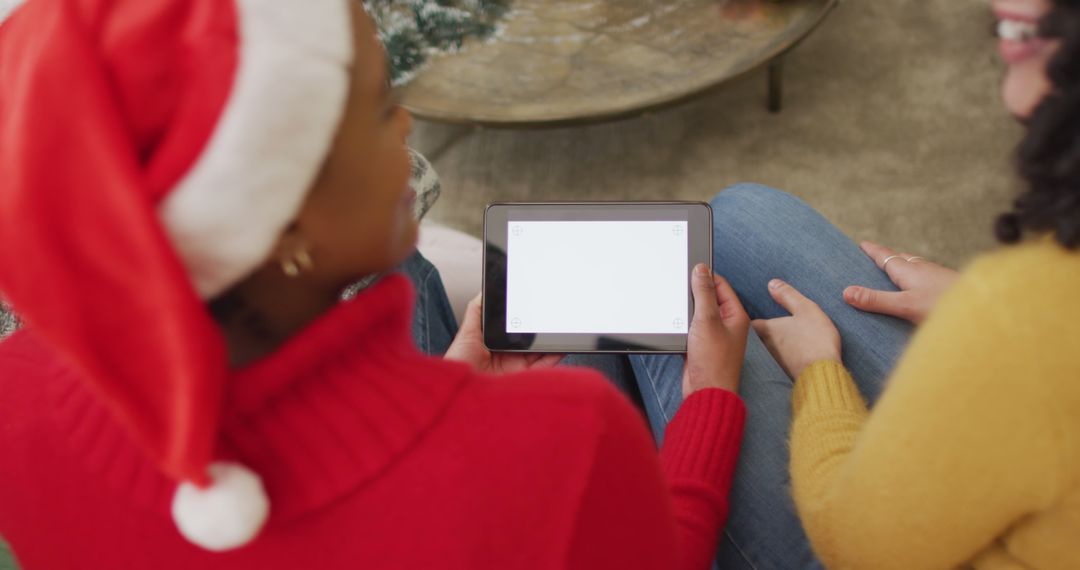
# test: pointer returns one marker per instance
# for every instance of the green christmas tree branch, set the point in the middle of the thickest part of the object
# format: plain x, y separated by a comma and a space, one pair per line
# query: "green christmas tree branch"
411, 30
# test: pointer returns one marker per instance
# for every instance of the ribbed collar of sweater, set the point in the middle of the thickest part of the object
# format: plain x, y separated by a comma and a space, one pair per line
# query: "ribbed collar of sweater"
321, 417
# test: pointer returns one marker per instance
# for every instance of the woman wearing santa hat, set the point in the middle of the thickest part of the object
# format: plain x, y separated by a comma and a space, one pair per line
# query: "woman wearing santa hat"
187, 187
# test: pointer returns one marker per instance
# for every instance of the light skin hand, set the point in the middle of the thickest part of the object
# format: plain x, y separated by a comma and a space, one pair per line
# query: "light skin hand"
806, 337
716, 344
921, 283
468, 346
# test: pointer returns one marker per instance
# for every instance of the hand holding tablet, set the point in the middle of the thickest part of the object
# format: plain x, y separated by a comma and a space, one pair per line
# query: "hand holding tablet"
592, 277
468, 347
716, 345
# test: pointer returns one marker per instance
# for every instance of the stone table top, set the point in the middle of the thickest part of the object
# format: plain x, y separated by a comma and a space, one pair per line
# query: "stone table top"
576, 61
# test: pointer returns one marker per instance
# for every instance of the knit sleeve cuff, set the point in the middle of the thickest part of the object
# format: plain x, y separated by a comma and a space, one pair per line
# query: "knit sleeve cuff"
826, 385
702, 441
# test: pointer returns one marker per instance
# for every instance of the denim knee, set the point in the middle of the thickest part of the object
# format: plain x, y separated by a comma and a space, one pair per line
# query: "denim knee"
748, 194
757, 205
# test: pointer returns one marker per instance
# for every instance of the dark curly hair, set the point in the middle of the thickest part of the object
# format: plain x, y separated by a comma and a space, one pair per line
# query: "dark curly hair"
1049, 156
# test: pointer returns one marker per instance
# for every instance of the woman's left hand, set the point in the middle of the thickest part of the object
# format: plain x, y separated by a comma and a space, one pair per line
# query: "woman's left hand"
921, 283
806, 337
468, 347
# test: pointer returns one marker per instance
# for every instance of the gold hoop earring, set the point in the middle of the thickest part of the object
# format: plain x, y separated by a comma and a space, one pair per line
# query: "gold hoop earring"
300, 262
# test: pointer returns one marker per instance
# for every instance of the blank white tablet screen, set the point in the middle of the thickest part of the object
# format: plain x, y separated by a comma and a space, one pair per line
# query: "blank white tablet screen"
603, 277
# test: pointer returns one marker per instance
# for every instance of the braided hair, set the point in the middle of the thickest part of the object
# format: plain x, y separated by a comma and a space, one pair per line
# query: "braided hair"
1049, 155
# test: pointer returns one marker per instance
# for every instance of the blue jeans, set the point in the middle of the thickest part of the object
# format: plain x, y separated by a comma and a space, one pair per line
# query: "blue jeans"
760, 234
434, 325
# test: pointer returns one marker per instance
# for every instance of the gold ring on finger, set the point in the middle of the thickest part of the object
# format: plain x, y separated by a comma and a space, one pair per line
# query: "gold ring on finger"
885, 264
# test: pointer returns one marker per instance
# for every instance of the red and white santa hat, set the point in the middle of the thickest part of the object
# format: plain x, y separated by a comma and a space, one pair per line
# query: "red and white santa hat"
151, 153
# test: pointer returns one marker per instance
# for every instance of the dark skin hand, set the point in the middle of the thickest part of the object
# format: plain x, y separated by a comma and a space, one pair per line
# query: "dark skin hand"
469, 347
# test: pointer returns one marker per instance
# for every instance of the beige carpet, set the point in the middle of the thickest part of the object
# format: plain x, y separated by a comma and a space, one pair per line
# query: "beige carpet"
892, 128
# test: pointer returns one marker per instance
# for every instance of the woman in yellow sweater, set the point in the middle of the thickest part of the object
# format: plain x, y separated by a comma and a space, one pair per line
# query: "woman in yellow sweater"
971, 456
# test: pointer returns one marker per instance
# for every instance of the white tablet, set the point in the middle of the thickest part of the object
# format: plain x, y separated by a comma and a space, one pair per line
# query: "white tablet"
592, 277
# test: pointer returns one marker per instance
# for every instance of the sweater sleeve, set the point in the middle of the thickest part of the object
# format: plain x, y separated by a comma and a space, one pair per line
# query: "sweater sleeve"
699, 454
962, 445
672, 522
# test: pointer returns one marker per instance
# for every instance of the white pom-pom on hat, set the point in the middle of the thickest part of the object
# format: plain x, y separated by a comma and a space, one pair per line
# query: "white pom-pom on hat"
226, 515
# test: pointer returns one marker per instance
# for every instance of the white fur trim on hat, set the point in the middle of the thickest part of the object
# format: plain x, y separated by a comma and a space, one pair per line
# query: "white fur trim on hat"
226, 515
289, 96
7, 7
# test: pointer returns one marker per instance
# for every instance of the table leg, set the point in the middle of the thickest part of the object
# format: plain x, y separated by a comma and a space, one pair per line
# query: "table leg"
776, 85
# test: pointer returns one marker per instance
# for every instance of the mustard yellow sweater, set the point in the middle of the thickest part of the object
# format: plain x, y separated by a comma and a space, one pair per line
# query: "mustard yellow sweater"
971, 458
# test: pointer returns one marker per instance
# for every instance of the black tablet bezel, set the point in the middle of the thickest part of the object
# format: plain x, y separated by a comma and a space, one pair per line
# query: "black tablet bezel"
496, 217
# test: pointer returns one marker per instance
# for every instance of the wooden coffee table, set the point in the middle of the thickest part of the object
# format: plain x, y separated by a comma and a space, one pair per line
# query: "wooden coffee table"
559, 62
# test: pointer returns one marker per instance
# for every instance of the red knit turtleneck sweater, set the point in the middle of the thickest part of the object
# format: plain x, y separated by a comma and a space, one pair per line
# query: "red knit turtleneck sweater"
375, 456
